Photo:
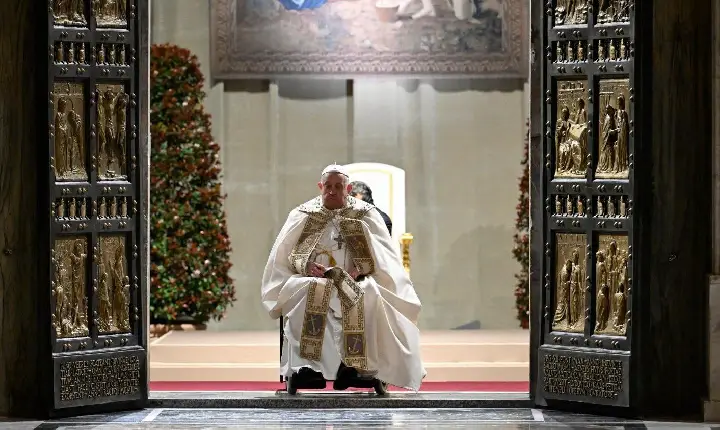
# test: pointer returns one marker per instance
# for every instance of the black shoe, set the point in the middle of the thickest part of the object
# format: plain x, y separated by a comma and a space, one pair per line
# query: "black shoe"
308, 379
381, 388
344, 377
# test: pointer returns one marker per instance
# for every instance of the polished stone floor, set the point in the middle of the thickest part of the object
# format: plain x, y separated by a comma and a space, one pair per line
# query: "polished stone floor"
384, 418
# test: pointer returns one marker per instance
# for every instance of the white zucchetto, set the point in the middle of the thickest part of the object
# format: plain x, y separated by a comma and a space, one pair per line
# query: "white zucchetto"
335, 168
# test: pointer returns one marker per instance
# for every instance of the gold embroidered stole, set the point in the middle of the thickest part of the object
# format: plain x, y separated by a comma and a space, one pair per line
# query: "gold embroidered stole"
350, 293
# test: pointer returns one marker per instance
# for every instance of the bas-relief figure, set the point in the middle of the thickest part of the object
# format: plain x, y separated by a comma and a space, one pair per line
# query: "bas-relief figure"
69, 287
613, 11
69, 132
113, 207
614, 126
569, 284
70, 53
112, 127
611, 207
611, 285
571, 12
570, 51
393, 37
110, 13
569, 206
112, 54
71, 209
69, 13
113, 286
571, 135
612, 50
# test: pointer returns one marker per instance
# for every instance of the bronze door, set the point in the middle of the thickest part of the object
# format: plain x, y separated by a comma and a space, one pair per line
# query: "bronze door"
583, 204
97, 78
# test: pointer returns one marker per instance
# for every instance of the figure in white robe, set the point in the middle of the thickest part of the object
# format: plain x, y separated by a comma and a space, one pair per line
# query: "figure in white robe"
337, 279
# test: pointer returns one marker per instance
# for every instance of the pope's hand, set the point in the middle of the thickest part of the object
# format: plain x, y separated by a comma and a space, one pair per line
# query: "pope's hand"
354, 273
316, 270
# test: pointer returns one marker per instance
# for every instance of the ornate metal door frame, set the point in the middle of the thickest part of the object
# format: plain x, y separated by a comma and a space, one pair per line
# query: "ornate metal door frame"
582, 266
96, 78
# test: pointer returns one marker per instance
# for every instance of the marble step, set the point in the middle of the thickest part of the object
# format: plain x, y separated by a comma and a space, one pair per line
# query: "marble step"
262, 372
263, 347
333, 400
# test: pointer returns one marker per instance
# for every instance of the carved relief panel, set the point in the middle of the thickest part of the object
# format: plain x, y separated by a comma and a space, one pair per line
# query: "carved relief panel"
613, 11
72, 208
68, 130
570, 273
611, 284
571, 12
614, 127
113, 208
69, 13
113, 286
571, 129
569, 206
111, 117
69, 287
612, 50
586, 181
71, 53
570, 51
96, 122
91, 148
110, 13
612, 207
112, 54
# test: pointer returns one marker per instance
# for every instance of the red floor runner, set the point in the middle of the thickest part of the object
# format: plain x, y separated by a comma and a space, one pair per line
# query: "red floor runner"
506, 387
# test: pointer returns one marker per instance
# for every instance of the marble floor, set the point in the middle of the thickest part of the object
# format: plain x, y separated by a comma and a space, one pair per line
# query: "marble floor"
206, 419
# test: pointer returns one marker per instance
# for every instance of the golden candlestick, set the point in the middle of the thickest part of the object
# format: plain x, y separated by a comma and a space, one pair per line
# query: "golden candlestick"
405, 241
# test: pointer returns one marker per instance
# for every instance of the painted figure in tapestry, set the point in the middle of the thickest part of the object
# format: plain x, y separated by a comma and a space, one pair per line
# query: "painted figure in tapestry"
366, 30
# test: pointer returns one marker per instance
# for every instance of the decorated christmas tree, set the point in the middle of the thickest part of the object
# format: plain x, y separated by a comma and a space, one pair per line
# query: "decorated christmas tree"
189, 241
521, 250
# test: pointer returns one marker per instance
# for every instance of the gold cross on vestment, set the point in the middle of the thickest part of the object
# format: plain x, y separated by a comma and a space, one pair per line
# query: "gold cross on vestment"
340, 240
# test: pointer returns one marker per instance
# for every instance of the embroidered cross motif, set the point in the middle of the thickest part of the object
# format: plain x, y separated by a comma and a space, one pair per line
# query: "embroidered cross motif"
340, 240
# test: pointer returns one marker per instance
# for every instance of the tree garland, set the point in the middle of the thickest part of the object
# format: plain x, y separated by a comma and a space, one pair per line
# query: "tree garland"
189, 241
521, 250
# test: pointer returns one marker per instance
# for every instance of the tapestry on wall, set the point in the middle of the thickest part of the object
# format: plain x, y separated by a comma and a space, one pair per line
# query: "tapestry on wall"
355, 38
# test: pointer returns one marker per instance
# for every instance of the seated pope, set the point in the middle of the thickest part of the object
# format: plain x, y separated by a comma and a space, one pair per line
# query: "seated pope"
336, 278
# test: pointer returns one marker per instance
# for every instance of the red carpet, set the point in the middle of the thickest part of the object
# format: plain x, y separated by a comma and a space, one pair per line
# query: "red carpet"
505, 387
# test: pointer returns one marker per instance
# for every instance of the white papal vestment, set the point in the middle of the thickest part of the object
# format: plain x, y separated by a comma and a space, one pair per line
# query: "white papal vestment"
369, 324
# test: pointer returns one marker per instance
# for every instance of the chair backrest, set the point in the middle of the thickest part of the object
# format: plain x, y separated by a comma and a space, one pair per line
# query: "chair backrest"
388, 189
